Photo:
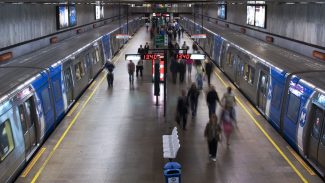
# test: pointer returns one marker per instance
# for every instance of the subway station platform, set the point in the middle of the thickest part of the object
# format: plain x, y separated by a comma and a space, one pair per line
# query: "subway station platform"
115, 135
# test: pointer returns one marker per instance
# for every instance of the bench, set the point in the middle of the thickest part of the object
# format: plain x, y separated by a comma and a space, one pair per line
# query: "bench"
171, 145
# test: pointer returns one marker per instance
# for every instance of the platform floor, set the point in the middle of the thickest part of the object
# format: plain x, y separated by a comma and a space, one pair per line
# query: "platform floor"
114, 135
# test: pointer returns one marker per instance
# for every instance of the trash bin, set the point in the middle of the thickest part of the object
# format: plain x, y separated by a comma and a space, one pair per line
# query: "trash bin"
172, 172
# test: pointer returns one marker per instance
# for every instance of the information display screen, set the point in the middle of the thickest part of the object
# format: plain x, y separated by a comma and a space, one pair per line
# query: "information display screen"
63, 16
222, 11
260, 16
72, 15
256, 15
99, 12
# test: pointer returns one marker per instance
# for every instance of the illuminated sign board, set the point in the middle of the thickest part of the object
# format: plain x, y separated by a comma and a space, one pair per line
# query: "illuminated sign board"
153, 56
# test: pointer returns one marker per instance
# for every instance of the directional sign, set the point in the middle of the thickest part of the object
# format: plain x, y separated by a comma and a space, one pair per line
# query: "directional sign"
190, 56
199, 36
160, 40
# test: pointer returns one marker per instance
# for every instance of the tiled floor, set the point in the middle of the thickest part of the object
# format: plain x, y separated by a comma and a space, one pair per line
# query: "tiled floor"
117, 138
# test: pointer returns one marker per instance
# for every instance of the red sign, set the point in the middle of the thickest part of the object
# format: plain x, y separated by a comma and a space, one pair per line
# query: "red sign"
153, 56
183, 56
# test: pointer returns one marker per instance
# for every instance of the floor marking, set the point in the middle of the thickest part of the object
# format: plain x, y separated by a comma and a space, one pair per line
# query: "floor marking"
92, 85
66, 131
33, 162
69, 127
301, 161
253, 109
267, 135
75, 106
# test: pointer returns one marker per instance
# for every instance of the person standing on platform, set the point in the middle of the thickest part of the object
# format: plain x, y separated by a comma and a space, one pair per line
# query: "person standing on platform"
212, 133
185, 47
208, 70
139, 67
141, 51
226, 123
110, 76
193, 97
179, 33
182, 30
212, 99
182, 70
189, 63
182, 109
229, 102
174, 33
147, 25
199, 75
131, 68
146, 48
195, 48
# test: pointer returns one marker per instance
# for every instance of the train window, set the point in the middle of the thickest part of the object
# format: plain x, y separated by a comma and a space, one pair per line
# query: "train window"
293, 107
6, 140
80, 70
46, 100
276, 96
22, 118
30, 110
229, 59
318, 116
97, 53
249, 73
323, 139
57, 90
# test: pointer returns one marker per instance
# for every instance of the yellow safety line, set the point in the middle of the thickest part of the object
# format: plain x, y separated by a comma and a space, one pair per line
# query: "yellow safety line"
254, 110
302, 162
92, 85
33, 162
65, 132
75, 106
267, 135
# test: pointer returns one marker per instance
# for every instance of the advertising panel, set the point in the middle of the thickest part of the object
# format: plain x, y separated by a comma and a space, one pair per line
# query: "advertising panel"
72, 15
222, 11
63, 16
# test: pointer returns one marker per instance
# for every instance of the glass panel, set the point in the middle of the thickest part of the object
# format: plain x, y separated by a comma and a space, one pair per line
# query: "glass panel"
6, 140
22, 118
276, 96
46, 99
57, 90
293, 107
30, 111
317, 123
229, 59
251, 74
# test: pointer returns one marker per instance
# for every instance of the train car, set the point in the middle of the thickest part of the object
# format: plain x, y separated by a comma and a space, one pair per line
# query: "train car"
38, 89
285, 87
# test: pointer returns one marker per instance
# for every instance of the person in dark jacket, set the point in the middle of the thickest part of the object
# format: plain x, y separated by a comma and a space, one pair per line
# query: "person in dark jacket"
182, 109
208, 70
193, 97
212, 99
146, 48
109, 66
182, 70
212, 132
141, 51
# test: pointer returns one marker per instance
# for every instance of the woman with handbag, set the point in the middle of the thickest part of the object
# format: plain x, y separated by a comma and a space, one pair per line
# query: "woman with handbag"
212, 133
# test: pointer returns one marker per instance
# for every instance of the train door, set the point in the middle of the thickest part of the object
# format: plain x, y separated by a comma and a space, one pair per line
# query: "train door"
28, 119
262, 90
316, 148
68, 85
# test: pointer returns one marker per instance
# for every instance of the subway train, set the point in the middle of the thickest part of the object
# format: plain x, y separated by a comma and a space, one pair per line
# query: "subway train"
38, 89
287, 88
